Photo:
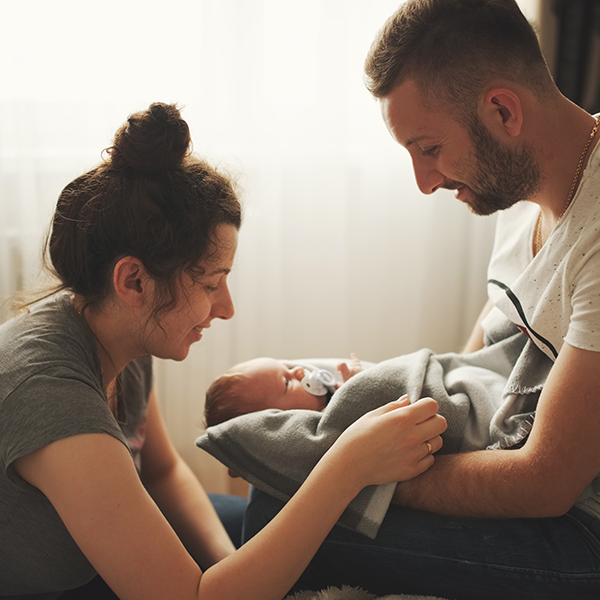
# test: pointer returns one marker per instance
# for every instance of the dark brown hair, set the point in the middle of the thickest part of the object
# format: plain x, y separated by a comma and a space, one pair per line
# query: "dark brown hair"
150, 199
223, 398
453, 48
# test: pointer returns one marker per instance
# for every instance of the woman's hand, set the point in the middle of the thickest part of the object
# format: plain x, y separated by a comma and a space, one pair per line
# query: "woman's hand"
392, 443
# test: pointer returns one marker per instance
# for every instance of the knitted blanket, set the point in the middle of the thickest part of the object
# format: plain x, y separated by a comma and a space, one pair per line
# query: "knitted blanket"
487, 397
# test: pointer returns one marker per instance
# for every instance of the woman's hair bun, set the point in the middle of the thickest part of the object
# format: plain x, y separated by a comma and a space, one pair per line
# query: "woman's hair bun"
156, 139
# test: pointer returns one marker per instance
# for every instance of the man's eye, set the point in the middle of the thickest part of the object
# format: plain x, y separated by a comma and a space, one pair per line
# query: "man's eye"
431, 151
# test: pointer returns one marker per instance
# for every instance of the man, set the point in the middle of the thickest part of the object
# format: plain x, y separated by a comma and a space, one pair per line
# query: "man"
464, 88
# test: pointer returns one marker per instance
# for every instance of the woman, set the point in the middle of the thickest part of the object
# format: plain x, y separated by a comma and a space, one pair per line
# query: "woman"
90, 484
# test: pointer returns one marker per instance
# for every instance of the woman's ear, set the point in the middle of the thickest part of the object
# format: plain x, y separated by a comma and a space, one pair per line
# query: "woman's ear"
131, 281
501, 111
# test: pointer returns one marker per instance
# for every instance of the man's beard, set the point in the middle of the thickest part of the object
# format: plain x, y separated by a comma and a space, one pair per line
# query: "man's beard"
501, 176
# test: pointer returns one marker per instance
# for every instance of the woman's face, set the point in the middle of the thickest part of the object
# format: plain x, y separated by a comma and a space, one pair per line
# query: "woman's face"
201, 299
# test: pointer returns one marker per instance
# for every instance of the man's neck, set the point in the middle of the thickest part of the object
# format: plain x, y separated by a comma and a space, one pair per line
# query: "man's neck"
562, 135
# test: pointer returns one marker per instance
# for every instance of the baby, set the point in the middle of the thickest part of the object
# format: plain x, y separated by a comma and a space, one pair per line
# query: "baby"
263, 383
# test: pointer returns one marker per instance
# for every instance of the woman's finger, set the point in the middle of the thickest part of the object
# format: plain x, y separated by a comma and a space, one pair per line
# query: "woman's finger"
432, 445
402, 402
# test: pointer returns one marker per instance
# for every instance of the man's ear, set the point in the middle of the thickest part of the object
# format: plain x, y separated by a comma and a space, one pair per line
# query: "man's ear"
131, 281
501, 111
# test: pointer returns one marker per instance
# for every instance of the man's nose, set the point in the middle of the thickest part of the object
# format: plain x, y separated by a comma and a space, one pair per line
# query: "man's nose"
428, 179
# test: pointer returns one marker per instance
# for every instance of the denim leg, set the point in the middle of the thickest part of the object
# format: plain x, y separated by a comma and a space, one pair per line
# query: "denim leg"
96, 589
462, 559
231, 511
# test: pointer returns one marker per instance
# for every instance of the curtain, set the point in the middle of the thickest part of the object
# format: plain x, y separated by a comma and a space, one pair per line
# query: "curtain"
577, 61
339, 251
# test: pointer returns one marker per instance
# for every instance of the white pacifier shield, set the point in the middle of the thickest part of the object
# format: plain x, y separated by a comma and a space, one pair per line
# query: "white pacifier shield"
315, 382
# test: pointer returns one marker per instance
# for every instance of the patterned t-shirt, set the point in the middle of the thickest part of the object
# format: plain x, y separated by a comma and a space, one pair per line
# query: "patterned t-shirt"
555, 296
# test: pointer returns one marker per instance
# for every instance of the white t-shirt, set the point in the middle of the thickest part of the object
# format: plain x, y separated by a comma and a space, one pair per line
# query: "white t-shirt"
554, 297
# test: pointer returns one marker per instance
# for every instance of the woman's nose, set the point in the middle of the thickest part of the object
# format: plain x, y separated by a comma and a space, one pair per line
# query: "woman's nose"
223, 306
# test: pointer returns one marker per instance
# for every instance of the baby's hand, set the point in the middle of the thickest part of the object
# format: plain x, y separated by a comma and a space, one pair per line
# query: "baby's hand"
348, 371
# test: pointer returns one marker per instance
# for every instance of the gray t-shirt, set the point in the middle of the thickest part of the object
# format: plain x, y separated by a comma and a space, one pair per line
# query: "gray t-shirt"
51, 388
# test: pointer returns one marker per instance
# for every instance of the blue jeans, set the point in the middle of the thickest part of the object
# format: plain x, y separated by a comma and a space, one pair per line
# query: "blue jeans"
464, 559
231, 511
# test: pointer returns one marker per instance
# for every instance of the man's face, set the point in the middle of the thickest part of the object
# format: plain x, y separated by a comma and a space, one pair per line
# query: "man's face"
487, 175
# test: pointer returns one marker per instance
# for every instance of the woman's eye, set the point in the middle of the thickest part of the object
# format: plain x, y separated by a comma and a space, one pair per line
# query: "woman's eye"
211, 288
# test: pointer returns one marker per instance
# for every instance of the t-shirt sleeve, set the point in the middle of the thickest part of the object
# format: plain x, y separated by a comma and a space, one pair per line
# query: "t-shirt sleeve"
49, 406
584, 326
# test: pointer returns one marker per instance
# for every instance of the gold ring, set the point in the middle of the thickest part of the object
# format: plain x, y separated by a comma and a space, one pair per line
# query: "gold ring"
429, 448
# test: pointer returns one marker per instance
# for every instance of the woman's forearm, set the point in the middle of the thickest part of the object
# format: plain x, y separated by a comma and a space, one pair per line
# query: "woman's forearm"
275, 558
186, 506
382, 446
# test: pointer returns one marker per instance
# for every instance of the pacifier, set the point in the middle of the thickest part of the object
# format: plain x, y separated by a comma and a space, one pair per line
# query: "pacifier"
318, 382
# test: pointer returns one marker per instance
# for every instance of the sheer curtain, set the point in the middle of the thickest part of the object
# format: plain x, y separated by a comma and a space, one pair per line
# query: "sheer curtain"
339, 252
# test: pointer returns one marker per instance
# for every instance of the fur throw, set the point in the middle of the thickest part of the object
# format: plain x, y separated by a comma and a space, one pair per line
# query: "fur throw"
348, 593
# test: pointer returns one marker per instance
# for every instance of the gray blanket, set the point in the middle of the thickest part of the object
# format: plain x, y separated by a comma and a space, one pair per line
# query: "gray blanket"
488, 398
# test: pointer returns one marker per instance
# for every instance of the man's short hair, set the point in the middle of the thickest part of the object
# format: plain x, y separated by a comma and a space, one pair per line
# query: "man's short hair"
452, 49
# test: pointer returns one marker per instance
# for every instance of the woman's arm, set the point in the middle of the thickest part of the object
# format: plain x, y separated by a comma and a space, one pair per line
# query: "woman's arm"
387, 442
179, 494
92, 482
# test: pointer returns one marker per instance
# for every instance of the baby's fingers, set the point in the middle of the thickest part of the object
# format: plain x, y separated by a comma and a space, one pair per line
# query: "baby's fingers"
344, 371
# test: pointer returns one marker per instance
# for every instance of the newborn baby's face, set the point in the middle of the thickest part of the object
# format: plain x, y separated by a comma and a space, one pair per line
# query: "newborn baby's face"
274, 385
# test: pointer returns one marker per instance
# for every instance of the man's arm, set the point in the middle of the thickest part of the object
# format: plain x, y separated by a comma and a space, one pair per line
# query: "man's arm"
546, 476
475, 341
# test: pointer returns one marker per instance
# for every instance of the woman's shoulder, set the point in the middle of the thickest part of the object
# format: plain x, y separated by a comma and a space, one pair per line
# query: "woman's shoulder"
54, 320
49, 343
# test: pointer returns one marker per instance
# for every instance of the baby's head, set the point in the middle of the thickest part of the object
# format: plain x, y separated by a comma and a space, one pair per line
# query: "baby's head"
255, 385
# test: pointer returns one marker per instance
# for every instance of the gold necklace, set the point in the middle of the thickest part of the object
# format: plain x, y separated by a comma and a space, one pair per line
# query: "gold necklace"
538, 224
